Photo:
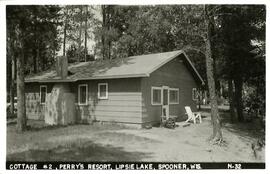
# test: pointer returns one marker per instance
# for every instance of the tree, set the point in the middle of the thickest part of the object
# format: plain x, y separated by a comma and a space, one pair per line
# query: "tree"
16, 25
76, 23
239, 27
85, 32
32, 44
11, 68
217, 134
21, 117
149, 29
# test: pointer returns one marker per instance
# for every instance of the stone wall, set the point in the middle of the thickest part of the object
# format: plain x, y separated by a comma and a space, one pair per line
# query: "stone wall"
60, 106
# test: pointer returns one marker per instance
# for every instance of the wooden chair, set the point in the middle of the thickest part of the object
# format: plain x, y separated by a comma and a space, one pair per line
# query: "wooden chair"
192, 115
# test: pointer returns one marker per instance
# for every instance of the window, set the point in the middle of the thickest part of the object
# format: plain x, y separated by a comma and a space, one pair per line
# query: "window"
194, 94
43, 92
82, 94
174, 96
156, 96
103, 90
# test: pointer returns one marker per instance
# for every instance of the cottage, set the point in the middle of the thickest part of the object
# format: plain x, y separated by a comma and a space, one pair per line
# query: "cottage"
133, 90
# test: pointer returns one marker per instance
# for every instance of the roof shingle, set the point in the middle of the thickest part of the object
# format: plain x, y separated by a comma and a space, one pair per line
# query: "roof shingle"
134, 66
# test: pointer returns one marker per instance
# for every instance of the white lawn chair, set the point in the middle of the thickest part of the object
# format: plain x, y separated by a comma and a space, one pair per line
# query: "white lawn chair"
192, 115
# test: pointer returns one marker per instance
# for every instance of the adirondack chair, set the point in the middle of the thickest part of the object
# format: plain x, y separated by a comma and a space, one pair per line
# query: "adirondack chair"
192, 115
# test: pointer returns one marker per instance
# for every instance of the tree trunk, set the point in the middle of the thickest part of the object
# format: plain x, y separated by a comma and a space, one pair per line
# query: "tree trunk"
80, 35
65, 33
231, 99
238, 98
206, 97
103, 29
21, 114
35, 50
109, 42
109, 50
199, 99
42, 58
11, 87
37, 57
85, 34
64, 42
217, 134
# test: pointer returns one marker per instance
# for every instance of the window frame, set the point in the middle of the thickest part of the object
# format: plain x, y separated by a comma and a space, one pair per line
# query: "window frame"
106, 92
79, 94
177, 90
42, 86
194, 97
161, 95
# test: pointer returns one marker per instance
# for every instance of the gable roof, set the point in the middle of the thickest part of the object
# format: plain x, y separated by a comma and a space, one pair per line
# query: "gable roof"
134, 66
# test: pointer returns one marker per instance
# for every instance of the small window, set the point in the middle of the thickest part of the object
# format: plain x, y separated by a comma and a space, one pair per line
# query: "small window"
82, 94
43, 92
156, 96
174, 96
194, 94
103, 90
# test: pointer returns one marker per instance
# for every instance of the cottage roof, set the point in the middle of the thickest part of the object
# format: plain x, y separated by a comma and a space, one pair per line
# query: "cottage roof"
134, 66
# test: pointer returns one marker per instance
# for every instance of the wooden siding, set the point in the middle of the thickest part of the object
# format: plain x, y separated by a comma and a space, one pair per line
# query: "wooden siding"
175, 75
129, 100
124, 103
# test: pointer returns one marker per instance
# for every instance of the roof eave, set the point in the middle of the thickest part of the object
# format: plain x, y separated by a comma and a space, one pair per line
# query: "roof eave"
48, 80
115, 77
89, 78
195, 70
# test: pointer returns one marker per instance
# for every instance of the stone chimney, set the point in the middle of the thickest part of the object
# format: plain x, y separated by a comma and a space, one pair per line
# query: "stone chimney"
62, 67
60, 102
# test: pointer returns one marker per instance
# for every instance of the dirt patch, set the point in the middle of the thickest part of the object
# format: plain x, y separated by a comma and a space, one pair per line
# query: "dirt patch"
116, 143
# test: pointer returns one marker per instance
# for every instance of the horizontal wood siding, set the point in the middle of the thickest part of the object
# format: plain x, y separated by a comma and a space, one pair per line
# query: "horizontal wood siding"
175, 75
118, 108
124, 103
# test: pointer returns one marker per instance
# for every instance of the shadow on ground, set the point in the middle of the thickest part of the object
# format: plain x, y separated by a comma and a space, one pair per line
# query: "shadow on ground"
88, 152
246, 130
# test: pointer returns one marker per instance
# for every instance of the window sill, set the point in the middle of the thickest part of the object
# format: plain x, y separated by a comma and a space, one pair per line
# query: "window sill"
81, 104
156, 104
103, 98
173, 103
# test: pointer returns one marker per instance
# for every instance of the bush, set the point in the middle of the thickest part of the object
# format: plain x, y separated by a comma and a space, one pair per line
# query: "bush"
254, 103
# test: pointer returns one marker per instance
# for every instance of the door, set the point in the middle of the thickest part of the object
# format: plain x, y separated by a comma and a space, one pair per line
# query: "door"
165, 101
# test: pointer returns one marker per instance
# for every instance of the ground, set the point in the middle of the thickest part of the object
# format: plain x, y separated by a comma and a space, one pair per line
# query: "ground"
112, 142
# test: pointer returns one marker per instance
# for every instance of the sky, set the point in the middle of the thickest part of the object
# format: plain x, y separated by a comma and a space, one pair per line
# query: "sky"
90, 42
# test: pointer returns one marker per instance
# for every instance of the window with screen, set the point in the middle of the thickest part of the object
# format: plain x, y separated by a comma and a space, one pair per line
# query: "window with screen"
82, 94
43, 92
174, 96
103, 90
156, 96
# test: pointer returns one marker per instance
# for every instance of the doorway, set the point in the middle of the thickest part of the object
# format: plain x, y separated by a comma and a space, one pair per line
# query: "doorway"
165, 101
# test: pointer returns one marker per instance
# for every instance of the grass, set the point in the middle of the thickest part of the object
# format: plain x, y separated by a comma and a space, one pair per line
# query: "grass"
111, 142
